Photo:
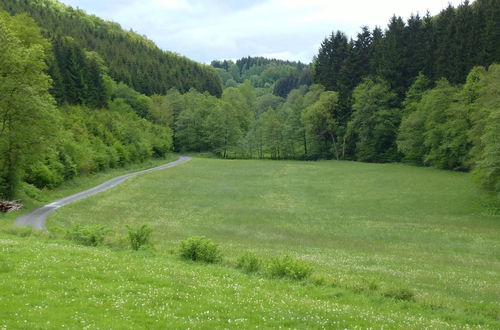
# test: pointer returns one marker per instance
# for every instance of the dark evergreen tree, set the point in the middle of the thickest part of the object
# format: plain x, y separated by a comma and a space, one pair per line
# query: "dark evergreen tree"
393, 66
329, 62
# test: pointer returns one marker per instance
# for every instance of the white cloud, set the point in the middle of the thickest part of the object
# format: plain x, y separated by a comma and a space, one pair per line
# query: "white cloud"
288, 29
171, 4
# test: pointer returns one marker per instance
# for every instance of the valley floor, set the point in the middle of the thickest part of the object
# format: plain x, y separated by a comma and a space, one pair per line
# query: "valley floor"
365, 229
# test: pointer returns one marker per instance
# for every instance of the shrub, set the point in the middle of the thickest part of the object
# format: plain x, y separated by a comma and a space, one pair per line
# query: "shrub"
88, 235
139, 236
200, 248
249, 262
289, 267
399, 293
29, 191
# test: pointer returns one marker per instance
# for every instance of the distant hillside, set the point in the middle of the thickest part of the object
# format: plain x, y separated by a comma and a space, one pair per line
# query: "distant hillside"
131, 58
277, 75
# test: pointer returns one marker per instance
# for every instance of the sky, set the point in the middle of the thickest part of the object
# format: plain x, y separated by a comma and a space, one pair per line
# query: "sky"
230, 29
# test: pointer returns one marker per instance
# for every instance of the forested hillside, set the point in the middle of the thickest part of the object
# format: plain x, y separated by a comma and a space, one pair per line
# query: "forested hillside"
277, 76
99, 124
131, 58
422, 90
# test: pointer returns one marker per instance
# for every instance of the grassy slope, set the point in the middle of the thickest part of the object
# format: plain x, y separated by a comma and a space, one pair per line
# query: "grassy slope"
81, 183
392, 225
51, 284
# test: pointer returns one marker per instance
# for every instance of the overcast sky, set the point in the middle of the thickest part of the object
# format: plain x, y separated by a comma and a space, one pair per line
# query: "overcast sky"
205, 30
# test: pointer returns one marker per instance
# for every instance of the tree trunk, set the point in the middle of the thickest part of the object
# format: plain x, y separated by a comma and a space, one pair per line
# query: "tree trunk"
343, 147
335, 147
305, 145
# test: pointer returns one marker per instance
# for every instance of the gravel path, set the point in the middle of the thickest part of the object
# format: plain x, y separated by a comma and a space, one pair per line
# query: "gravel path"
36, 218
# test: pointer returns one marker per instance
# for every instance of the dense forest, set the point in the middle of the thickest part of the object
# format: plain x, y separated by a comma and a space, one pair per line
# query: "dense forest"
423, 91
131, 58
263, 73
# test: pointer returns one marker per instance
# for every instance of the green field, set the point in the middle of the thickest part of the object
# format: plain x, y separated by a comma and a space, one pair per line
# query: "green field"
364, 228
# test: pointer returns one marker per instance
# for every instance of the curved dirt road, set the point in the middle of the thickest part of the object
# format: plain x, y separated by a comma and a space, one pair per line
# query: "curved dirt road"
36, 218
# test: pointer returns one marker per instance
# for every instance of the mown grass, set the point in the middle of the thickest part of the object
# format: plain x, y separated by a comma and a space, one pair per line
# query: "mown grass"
371, 232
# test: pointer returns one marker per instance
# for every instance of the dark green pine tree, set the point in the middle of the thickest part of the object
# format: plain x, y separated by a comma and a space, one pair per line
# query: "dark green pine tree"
487, 15
329, 62
393, 66
95, 93
57, 90
466, 42
71, 65
362, 53
415, 50
377, 51
445, 43
427, 46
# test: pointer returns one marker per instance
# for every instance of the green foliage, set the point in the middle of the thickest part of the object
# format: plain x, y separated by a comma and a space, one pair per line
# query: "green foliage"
88, 235
435, 133
484, 86
249, 262
322, 119
275, 76
78, 75
447, 45
27, 111
488, 165
50, 145
289, 267
374, 122
456, 128
131, 58
139, 236
200, 248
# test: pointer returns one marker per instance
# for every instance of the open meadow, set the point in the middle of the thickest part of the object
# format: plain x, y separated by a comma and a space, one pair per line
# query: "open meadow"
365, 229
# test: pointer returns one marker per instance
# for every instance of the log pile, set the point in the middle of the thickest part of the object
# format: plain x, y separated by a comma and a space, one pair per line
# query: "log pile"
7, 206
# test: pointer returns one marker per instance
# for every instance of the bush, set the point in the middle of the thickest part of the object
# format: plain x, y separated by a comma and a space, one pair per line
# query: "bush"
200, 248
29, 191
88, 235
399, 293
288, 267
139, 236
249, 262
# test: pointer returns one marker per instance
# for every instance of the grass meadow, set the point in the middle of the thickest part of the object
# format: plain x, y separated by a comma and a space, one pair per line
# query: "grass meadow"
365, 229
